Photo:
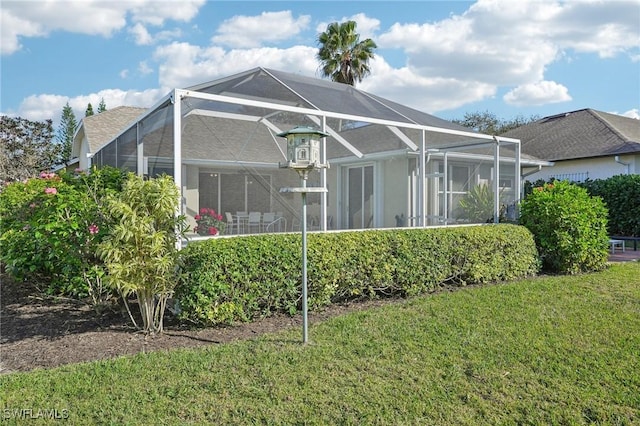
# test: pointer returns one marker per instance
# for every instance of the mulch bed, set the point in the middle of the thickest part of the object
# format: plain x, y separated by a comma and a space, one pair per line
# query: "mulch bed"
46, 332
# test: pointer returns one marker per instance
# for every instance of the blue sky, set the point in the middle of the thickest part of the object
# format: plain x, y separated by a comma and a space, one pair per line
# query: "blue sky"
511, 58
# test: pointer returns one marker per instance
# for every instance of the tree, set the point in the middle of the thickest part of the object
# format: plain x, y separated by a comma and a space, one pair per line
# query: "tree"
89, 110
344, 58
66, 132
26, 148
140, 251
488, 123
102, 107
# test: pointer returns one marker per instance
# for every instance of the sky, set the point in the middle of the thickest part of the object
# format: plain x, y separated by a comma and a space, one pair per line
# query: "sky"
512, 58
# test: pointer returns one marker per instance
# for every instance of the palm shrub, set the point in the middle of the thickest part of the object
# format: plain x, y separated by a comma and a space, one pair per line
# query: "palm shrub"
569, 227
478, 205
140, 251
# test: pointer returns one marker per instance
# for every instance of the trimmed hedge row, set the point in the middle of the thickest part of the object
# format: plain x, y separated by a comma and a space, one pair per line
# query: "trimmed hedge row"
621, 194
238, 279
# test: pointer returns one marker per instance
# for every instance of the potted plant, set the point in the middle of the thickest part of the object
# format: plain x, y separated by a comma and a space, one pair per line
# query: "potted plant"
209, 222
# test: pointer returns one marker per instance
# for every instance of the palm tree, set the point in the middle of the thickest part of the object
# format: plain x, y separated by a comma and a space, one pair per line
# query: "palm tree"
344, 58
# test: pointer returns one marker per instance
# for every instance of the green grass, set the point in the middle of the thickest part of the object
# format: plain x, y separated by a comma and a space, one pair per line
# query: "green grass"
551, 350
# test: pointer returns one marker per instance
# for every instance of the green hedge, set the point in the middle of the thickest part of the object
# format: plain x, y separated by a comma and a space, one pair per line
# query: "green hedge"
621, 194
238, 279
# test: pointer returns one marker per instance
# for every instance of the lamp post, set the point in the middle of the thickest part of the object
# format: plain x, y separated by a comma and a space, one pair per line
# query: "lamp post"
303, 156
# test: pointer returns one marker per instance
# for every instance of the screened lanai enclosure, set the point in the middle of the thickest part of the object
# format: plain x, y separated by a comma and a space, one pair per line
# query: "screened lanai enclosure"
389, 165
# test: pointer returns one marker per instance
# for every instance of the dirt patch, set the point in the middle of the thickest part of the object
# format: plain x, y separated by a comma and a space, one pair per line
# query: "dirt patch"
46, 332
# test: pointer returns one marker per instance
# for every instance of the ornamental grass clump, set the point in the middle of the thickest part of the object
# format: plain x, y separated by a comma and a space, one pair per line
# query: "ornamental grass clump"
569, 227
140, 251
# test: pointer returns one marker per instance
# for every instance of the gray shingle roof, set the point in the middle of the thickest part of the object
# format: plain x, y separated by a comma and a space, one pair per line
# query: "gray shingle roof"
584, 133
104, 127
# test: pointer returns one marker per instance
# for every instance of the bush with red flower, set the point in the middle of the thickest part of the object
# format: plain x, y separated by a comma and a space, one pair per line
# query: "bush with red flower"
209, 222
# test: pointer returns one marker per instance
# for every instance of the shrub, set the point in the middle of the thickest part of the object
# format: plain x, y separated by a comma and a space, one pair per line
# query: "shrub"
478, 204
50, 227
237, 279
140, 250
621, 194
569, 226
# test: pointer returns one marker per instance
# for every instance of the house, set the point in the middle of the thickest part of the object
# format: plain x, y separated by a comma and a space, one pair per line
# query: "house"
390, 165
583, 144
97, 130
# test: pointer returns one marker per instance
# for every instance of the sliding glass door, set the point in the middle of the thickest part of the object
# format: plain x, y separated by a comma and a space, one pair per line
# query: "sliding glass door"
359, 204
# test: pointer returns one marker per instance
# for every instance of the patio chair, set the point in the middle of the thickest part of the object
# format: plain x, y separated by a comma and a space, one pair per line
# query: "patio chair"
241, 221
231, 223
255, 221
267, 219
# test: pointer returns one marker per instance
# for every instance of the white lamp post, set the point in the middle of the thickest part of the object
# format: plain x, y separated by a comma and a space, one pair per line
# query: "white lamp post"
303, 155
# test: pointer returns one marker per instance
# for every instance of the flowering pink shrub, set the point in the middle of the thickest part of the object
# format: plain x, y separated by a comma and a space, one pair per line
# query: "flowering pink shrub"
48, 175
51, 225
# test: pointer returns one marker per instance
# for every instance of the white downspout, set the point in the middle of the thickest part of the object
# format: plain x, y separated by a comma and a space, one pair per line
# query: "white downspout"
617, 160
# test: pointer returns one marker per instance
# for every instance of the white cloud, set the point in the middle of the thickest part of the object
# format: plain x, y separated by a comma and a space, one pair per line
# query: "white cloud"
143, 37
365, 25
140, 34
11, 27
606, 28
253, 31
540, 93
144, 68
42, 107
632, 113
512, 43
154, 12
449, 63
49, 106
183, 64
428, 94
21, 19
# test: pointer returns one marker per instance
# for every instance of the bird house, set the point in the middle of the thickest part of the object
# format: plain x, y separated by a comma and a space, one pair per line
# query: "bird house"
303, 148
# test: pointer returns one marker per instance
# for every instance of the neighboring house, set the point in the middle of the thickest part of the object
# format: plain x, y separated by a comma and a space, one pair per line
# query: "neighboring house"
583, 144
96, 130
390, 165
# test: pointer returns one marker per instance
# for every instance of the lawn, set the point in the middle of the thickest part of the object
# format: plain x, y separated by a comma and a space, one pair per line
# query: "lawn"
549, 350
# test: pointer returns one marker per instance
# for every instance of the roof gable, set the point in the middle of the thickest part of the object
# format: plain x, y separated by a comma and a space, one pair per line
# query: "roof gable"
105, 126
579, 134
